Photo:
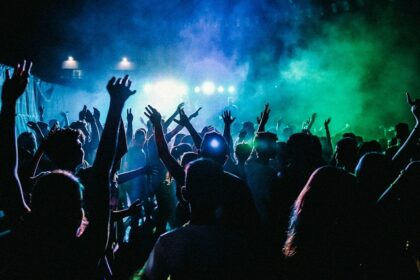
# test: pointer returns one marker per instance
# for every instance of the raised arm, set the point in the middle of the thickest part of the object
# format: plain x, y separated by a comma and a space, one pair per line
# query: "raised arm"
263, 118
228, 120
65, 119
94, 135
11, 191
168, 122
129, 134
328, 135
402, 156
178, 128
174, 168
97, 116
185, 121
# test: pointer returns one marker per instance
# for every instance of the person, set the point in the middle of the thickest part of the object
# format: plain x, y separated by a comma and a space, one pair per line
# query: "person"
202, 249
322, 240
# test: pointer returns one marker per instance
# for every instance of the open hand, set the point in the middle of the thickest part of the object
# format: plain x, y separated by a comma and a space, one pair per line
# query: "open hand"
227, 118
13, 87
195, 114
154, 116
263, 118
119, 90
183, 119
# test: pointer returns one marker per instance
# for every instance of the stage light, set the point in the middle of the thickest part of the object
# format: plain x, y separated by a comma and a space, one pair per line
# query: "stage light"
197, 89
125, 64
231, 89
208, 88
70, 64
220, 89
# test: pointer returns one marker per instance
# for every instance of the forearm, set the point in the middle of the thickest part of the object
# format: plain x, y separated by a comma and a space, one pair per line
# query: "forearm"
130, 175
94, 135
172, 133
194, 134
129, 134
403, 154
170, 119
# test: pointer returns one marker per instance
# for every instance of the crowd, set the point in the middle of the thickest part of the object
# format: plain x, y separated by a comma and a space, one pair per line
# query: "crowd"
86, 200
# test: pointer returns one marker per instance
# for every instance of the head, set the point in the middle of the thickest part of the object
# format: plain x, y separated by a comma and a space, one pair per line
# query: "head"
346, 153
26, 141
53, 122
321, 214
180, 149
57, 203
178, 138
187, 139
203, 184
402, 131
265, 145
249, 127
64, 148
304, 150
242, 152
140, 137
188, 157
214, 147
374, 173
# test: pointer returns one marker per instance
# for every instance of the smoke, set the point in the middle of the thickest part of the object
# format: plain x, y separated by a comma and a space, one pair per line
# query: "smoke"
351, 62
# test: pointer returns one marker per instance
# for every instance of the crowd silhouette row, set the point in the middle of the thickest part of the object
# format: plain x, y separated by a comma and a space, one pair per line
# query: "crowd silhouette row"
87, 200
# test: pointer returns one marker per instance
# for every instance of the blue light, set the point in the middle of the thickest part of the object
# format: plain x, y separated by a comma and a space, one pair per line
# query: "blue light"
214, 143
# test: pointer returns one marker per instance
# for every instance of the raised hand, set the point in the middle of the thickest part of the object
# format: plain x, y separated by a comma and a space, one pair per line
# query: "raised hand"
32, 125
227, 117
119, 90
415, 107
195, 114
180, 106
89, 117
64, 114
13, 87
206, 129
96, 114
327, 122
130, 116
153, 115
183, 119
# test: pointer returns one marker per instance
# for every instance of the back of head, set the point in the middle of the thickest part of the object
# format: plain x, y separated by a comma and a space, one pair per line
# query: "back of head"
347, 152
188, 157
374, 173
64, 148
179, 150
57, 203
265, 144
325, 205
402, 131
203, 183
26, 141
215, 147
243, 151
140, 137
303, 148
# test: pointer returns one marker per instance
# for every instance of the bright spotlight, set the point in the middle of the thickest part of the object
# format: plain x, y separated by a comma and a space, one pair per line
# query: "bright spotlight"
220, 89
147, 88
197, 89
231, 89
208, 88
125, 64
70, 64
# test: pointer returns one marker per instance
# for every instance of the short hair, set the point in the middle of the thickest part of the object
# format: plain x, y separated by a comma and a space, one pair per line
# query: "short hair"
214, 146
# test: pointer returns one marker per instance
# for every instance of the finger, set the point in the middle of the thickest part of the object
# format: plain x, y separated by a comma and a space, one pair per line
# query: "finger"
124, 80
129, 83
133, 92
409, 100
147, 115
233, 119
7, 74
149, 111
29, 68
111, 82
118, 81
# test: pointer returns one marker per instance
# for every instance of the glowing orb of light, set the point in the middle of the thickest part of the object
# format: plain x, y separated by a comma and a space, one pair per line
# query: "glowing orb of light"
214, 144
220, 89
231, 89
197, 89
208, 88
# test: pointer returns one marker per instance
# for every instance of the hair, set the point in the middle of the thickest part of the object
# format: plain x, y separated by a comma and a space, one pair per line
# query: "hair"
26, 140
179, 150
63, 148
203, 183
242, 151
265, 144
57, 201
218, 154
188, 157
322, 207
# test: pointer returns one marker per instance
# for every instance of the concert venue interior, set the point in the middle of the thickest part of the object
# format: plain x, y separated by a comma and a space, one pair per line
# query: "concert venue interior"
252, 139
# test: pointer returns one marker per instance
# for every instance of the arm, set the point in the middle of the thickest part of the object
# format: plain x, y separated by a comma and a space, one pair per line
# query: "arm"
65, 119
98, 192
94, 136
174, 168
178, 128
172, 117
41, 113
97, 116
228, 120
130, 175
129, 134
402, 156
185, 121
263, 119
11, 190
328, 135
38, 132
